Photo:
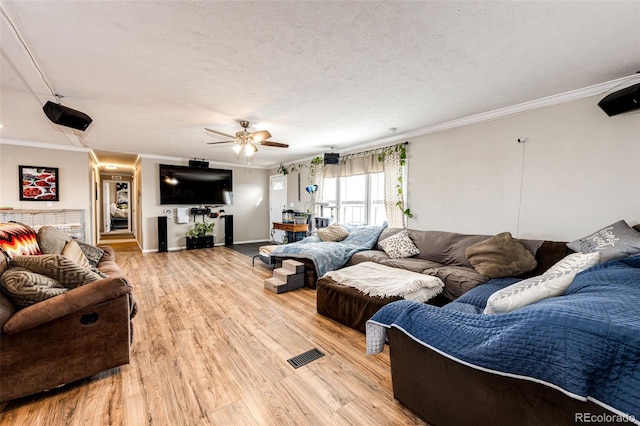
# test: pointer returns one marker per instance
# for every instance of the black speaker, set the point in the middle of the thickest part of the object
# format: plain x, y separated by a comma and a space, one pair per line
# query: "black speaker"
65, 116
162, 233
200, 164
331, 158
622, 101
228, 230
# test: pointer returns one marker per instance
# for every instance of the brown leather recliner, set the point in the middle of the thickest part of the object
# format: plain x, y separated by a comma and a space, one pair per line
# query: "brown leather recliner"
67, 337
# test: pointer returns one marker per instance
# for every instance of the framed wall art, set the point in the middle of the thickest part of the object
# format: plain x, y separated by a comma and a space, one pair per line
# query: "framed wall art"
38, 183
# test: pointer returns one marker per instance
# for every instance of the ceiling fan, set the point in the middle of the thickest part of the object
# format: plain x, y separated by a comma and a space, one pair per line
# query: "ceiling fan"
246, 140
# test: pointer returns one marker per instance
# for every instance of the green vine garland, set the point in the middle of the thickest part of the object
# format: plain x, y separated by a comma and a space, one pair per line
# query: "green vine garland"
402, 150
315, 161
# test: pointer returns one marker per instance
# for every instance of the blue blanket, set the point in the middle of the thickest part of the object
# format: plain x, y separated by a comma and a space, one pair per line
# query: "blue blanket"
585, 343
328, 255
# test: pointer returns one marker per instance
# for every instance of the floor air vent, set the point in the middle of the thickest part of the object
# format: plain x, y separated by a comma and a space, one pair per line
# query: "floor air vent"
305, 358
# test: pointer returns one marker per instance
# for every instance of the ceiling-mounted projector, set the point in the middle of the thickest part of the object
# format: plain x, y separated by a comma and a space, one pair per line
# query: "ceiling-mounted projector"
622, 101
331, 158
65, 116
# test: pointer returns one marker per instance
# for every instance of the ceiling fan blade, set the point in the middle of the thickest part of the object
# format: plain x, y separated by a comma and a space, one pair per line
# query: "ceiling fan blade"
260, 135
219, 133
215, 143
275, 144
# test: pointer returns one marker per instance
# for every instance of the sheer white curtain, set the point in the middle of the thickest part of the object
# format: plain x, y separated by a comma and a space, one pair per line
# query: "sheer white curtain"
393, 199
387, 160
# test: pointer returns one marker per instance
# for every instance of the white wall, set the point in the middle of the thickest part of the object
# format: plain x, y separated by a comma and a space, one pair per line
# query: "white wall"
580, 171
293, 202
250, 207
74, 181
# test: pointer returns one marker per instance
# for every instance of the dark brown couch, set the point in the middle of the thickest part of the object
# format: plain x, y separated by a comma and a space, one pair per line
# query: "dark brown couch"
67, 337
442, 255
446, 392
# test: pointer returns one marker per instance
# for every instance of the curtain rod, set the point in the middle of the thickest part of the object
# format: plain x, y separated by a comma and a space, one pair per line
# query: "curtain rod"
374, 150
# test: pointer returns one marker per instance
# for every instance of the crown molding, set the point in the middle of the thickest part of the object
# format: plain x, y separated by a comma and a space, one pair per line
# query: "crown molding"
217, 163
570, 96
535, 104
43, 145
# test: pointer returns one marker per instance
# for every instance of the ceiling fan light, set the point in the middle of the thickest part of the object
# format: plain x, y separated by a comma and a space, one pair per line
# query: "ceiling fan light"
237, 148
249, 150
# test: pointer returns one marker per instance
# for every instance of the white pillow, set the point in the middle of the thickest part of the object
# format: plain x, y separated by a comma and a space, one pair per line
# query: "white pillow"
554, 282
399, 246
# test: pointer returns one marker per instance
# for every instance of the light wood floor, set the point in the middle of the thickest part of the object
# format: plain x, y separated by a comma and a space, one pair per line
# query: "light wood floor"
210, 347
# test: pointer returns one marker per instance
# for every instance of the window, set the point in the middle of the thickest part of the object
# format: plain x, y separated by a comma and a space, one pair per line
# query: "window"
356, 200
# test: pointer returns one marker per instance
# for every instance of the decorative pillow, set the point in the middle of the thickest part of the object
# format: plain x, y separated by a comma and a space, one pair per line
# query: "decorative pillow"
18, 239
554, 282
92, 253
333, 232
58, 267
25, 288
500, 256
4, 261
74, 253
399, 246
613, 241
52, 240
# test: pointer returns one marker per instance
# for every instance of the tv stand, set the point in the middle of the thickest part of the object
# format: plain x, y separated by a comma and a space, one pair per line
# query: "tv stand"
200, 242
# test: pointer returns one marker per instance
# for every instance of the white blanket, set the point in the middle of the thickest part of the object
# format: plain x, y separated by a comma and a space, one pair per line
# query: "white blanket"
374, 279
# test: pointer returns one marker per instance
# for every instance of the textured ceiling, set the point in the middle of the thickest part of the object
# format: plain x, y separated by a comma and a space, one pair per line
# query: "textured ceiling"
316, 74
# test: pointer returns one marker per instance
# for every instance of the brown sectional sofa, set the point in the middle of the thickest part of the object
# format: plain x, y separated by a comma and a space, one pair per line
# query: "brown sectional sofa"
442, 254
67, 337
435, 386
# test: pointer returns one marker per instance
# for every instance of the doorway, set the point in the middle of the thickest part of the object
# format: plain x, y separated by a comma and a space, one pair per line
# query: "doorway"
116, 202
117, 213
277, 200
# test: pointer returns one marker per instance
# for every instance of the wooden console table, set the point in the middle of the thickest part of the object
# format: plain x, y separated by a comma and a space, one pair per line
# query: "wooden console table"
295, 232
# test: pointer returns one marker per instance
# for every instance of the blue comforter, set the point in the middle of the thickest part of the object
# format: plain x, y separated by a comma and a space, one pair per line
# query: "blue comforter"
585, 343
328, 255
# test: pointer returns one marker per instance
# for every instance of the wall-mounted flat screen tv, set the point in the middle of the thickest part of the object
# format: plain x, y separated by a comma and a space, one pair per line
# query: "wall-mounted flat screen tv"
195, 185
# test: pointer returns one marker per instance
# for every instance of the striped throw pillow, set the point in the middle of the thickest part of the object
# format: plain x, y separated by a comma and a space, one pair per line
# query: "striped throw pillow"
17, 239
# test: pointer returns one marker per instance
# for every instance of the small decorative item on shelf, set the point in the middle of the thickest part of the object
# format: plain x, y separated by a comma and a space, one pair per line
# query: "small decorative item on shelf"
288, 216
301, 218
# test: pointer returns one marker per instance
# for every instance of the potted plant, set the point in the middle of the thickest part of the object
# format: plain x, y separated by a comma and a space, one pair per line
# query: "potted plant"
197, 236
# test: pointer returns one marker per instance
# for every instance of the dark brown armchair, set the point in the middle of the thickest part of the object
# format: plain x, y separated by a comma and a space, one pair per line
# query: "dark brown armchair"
67, 337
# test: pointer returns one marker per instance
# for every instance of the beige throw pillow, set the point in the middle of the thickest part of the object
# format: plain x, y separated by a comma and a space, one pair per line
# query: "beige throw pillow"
52, 240
500, 256
74, 253
333, 232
